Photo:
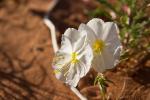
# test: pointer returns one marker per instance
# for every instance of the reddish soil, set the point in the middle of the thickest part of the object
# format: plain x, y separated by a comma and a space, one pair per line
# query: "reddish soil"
26, 54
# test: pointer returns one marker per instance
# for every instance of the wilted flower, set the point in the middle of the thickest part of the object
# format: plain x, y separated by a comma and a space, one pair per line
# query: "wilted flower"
74, 58
103, 38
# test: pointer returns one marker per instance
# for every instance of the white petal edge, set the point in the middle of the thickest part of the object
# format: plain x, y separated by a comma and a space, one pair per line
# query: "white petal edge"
73, 34
97, 26
110, 32
80, 44
90, 33
98, 63
66, 46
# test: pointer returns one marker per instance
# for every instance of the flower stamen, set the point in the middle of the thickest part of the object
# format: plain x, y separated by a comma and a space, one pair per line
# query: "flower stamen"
74, 58
64, 68
98, 46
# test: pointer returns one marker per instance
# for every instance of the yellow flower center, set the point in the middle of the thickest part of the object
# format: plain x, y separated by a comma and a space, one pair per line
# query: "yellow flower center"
98, 46
74, 58
65, 68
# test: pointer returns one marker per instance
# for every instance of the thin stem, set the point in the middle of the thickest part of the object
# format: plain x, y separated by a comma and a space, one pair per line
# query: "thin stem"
75, 90
51, 26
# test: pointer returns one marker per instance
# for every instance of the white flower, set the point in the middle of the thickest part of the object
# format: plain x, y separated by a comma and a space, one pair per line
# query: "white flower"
74, 58
103, 38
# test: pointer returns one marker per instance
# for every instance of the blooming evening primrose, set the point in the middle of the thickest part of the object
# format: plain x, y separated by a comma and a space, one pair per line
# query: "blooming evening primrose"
103, 38
73, 60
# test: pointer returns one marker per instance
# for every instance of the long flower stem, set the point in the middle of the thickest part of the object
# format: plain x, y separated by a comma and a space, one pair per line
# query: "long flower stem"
75, 90
51, 26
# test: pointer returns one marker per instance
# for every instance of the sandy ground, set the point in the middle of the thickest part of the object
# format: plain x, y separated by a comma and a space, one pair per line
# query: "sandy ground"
26, 55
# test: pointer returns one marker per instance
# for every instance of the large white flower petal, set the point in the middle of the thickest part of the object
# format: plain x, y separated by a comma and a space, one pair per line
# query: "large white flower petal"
113, 46
74, 81
61, 63
110, 32
77, 38
61, 59
97, 26
66, 46
90, 33
71, 72
60, 76
63, 75
81, 69
117, 54
98, 63
86, 58
80, 44
108, 58
110, 36
73, 34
